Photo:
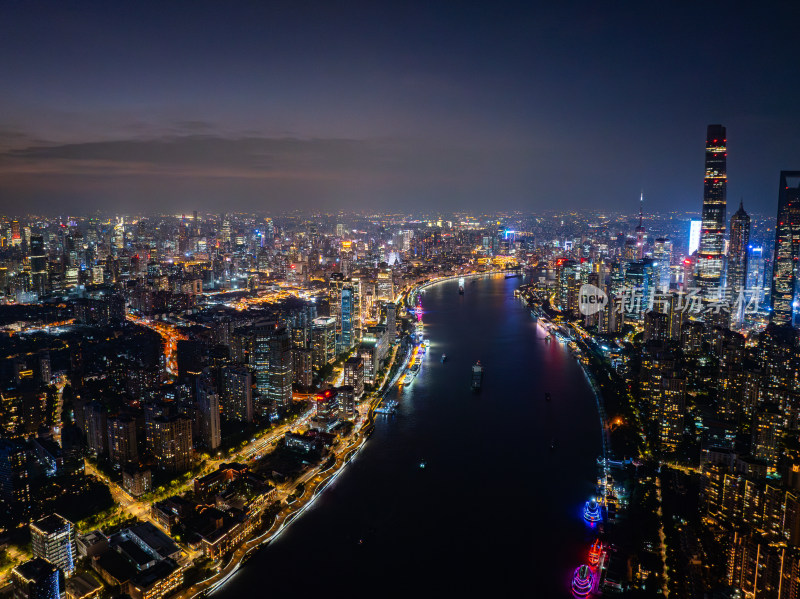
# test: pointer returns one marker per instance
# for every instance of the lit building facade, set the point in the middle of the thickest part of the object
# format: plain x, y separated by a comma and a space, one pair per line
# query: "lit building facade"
787, 249
712, 235
53, 539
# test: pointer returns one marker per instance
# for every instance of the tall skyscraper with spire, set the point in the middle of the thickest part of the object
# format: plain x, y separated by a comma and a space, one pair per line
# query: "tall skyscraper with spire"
737, 249
712, 234
640, 229
787, 249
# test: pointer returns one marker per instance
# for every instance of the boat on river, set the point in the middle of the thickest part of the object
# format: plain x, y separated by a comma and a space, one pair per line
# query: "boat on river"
477, 376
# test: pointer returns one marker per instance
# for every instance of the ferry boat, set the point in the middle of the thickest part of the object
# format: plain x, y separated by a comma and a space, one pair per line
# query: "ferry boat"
582, 581
444, 358
461, 286
591, 512
595, 552
477, 376
411, 373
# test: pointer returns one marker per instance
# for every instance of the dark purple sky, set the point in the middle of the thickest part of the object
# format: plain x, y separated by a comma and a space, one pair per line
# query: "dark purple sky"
440, 105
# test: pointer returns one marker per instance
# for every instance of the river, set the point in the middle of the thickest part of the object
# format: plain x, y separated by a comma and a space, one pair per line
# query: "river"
493, 511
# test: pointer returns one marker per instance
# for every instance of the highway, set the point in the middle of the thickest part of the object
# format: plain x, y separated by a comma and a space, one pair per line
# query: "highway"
169, 333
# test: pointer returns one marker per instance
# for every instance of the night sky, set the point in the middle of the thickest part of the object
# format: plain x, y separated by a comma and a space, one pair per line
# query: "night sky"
262, 106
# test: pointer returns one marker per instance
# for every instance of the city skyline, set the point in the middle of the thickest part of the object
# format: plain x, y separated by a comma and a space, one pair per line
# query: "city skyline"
452, 290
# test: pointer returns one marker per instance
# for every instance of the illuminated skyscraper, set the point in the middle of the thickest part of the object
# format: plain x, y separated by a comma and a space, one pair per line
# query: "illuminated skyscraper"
53, 539
640, 232
36, 579
280, 369
238, 393
323, 336
787, 248
695, 227
208, 412
38, 259
712, 236
738, 248
662, 254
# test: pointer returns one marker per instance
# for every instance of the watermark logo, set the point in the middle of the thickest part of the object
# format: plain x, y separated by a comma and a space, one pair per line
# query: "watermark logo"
591, 299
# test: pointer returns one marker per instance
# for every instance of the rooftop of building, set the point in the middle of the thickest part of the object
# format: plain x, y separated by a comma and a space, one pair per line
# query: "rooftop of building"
51, 524
34, 569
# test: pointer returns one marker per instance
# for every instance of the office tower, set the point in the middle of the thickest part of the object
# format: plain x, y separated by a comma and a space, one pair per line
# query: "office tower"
323, 339
712, 236
122, 444
208, 412
272, 352
347, 401
787, 249
335, 286
755, 268
385, 285
303, 364
15, 490
354, 375
327, 404
345, 340
640, 288
391, 322
36, 579
225, 230
695, 228
662, 254
738, 249
96, 418
280, 369
566, 270
170, 440
640, 232
53, 539
262, 336
38, 259
237, 384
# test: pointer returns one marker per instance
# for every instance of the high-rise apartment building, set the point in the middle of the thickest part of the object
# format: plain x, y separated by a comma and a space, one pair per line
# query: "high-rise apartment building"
238, 393
712, 235
170, 440
208, 413
787, 249
122, 444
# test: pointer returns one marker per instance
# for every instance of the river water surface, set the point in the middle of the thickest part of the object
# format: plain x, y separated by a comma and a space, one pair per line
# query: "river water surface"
495, 511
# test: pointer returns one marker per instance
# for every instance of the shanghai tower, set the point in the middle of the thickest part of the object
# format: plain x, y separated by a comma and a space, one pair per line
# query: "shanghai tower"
712, 235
